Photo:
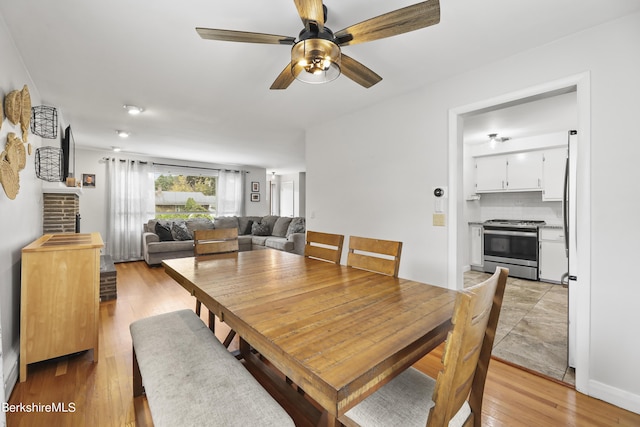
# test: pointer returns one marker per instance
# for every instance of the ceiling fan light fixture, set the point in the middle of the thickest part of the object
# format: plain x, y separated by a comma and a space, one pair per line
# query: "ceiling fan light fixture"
315, 61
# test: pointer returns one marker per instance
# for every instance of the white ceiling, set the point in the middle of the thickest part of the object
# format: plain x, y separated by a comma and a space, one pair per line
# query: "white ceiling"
210, 101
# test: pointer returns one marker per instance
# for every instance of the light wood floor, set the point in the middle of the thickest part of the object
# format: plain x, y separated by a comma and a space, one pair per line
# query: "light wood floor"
102, 392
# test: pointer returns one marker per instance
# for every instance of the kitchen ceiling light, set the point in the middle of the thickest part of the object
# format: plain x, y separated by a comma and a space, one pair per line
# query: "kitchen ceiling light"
493, 139
123, 134
116, 149
132, 109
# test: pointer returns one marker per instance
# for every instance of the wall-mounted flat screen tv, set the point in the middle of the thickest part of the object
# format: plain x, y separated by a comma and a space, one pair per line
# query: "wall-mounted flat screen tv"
68, 153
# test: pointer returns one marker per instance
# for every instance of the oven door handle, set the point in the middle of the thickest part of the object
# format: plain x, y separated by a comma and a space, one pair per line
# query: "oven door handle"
511, 233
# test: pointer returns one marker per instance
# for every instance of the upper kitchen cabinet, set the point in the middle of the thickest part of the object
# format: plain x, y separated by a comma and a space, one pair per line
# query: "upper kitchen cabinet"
509, 172
491, 174
553, 167
524, 171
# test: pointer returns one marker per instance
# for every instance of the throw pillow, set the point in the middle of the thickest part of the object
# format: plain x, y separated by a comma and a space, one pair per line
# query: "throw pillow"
270, 220
247, 229
260, 229
244, 224
297, 225
281, 226
164, 232
179, 231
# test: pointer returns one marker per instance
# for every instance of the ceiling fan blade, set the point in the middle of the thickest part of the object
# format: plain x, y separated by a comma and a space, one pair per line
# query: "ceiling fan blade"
286, 77
358, 72
310, 10
243, 36
390, 24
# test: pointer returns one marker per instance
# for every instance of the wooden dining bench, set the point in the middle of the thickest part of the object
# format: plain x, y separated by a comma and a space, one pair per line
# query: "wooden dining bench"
190, 378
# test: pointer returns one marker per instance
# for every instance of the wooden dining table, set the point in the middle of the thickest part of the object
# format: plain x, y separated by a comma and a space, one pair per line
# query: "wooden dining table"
336, 332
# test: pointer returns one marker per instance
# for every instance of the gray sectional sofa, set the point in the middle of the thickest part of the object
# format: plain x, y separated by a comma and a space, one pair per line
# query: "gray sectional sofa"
166, 239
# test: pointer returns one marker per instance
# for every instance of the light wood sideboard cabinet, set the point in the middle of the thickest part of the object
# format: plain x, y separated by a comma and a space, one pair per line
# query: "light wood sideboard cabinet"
60, 297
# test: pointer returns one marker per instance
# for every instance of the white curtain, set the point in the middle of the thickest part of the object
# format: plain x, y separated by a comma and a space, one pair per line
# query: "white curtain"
230, 193
130, 204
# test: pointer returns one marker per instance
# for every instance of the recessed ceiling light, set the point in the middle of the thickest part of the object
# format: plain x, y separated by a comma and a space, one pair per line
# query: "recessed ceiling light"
132, 109
123, 134
116, 149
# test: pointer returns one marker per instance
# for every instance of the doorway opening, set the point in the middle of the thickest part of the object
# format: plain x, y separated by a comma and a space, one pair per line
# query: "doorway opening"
458, 236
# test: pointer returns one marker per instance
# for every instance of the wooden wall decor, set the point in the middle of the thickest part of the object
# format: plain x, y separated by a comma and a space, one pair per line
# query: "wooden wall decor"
12, 160
17, 108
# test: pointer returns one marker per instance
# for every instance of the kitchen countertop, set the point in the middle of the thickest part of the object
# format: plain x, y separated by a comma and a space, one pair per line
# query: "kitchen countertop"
552, 226
557, 226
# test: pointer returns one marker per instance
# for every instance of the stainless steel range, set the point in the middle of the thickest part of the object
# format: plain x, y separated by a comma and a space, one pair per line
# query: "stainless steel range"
512, 244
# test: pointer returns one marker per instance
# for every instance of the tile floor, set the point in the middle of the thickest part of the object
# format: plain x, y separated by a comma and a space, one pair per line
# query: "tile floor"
532, 330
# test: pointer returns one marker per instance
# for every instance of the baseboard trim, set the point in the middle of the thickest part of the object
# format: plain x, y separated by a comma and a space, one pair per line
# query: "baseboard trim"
11, 380
615, 396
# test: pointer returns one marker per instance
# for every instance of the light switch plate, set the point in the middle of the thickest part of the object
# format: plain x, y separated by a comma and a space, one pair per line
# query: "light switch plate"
439, 219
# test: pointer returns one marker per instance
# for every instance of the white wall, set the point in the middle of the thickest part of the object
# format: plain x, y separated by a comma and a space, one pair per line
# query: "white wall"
22, 217
386, 160
94, 200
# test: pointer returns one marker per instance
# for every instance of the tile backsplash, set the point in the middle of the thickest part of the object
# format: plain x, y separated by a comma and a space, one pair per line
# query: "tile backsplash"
525, 205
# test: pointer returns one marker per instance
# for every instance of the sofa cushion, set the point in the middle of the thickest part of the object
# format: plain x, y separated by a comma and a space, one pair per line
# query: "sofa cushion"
226, 222
297, 225
259, 240
270, 220
194, 224
180, 232
281, 226
173, 246
245, 223
280, 243
151, 225
163, 231
260, 229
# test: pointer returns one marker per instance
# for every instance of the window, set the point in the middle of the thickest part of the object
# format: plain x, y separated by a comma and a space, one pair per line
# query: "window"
185, 193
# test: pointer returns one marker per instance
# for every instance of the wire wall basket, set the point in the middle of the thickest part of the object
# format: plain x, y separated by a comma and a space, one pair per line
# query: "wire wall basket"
49, 163
44, 121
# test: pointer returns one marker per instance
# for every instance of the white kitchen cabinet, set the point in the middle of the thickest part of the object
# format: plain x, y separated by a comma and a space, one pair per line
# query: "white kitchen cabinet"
553, 166
524, 171
476, 247
553, 262
491, 174
509, 172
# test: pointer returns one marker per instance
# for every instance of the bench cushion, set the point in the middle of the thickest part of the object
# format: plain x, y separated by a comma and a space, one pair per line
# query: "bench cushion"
190, 378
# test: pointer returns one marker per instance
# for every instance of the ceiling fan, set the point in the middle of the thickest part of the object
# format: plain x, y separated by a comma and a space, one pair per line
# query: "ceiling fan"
316, 56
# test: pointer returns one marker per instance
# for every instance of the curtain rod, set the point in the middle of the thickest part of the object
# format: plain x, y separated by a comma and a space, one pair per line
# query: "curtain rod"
125, 160
197, 167
176, 166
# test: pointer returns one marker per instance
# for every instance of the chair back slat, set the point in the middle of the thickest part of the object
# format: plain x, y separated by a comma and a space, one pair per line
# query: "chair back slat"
468, 349
215, 241
381, 256
324, 246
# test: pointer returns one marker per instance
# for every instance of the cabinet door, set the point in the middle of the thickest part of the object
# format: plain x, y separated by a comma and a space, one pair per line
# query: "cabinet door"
491, 173
524, 171
553, 257
475, 245
553, 166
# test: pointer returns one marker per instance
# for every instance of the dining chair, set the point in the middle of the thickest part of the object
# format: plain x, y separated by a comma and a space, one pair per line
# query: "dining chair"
210, 242
455, 397
380, 256
324, 246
